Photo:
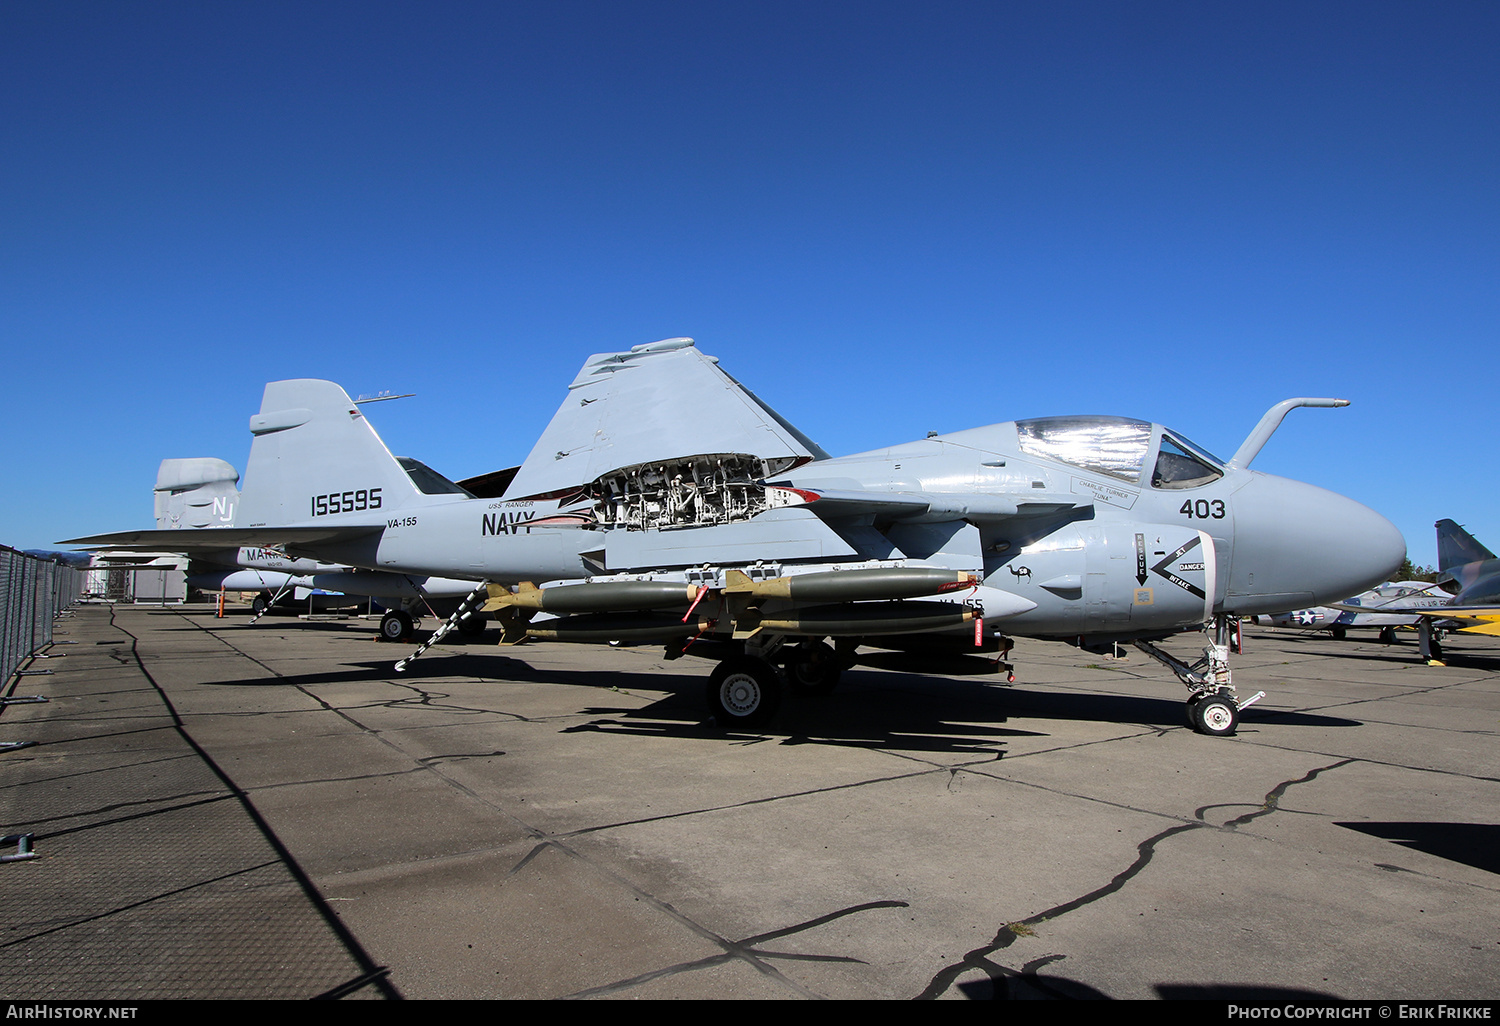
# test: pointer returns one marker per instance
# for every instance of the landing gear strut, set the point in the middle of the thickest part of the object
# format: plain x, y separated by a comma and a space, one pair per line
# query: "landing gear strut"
1213, 708
1429, 642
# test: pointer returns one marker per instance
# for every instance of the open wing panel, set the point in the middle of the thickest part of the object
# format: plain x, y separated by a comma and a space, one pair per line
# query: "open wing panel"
658, 402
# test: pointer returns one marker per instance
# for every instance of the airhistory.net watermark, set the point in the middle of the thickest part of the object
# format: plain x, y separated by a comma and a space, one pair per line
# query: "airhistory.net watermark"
37, 1011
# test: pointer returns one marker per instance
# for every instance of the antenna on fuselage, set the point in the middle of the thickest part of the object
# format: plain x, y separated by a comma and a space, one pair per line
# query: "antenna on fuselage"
380, 397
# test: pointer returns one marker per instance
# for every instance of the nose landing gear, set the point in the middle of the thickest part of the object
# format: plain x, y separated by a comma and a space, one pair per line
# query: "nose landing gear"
1213, 708
1216, 715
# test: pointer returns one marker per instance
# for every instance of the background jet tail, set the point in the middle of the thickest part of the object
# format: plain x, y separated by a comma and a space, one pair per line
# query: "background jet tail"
1457, 547
195, 493
315, 456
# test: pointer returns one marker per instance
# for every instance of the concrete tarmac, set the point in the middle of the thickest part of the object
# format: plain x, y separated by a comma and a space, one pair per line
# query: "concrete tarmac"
223, 810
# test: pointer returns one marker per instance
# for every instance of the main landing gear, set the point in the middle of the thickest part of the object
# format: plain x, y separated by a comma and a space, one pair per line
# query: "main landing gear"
264, 601
396, 625
743, 692
813, 667
746, 689
1213, 708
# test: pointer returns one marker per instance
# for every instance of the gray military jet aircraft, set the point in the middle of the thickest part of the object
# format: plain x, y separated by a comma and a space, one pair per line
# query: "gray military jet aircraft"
665, 502
1470, 574
1468, 571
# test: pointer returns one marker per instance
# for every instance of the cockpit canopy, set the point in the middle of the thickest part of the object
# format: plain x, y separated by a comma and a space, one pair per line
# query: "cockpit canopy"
1120, 447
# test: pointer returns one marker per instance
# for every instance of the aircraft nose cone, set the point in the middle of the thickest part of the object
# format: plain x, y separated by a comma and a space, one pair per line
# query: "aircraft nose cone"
1297, 542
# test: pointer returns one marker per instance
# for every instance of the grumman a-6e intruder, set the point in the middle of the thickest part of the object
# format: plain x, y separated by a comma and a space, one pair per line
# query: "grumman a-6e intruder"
666, 503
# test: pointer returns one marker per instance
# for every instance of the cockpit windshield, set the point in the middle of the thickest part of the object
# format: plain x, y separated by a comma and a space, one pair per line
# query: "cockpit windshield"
1114, 446
1181, 464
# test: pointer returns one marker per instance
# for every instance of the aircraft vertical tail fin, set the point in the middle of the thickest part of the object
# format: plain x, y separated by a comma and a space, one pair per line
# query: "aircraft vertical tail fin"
195, 493
1457, 546
314, 455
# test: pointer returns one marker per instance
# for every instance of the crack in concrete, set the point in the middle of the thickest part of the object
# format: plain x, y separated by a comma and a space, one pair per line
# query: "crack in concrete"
748, 949
979, 958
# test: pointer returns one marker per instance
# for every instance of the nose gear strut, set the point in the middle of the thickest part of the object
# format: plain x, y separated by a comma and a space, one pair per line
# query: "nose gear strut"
1212, 708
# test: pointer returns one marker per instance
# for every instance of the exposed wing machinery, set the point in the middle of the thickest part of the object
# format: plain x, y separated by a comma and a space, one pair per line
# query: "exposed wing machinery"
627, 410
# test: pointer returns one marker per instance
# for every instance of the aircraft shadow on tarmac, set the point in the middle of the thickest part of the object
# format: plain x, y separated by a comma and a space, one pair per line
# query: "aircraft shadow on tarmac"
1473, 844
868, 709
902, 712
1239, 992
917, 712
1457, 659
1031, 985
1155, 712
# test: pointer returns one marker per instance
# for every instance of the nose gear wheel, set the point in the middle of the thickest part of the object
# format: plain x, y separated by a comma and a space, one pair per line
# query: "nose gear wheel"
1216, 715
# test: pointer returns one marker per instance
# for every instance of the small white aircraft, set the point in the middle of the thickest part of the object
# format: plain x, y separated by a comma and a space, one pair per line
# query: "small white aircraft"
1338, 620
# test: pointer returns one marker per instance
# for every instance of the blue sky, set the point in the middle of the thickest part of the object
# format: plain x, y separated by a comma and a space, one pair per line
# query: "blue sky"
886, 218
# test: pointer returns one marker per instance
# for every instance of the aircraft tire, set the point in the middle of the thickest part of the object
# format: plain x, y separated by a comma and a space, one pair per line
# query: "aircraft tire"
1338, 633
743, 693
395, 625
1215, 715
473, 625
1192, 710
813, 668
259, 603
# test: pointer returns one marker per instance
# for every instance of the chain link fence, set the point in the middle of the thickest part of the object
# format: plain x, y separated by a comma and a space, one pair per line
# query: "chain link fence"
33, 591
